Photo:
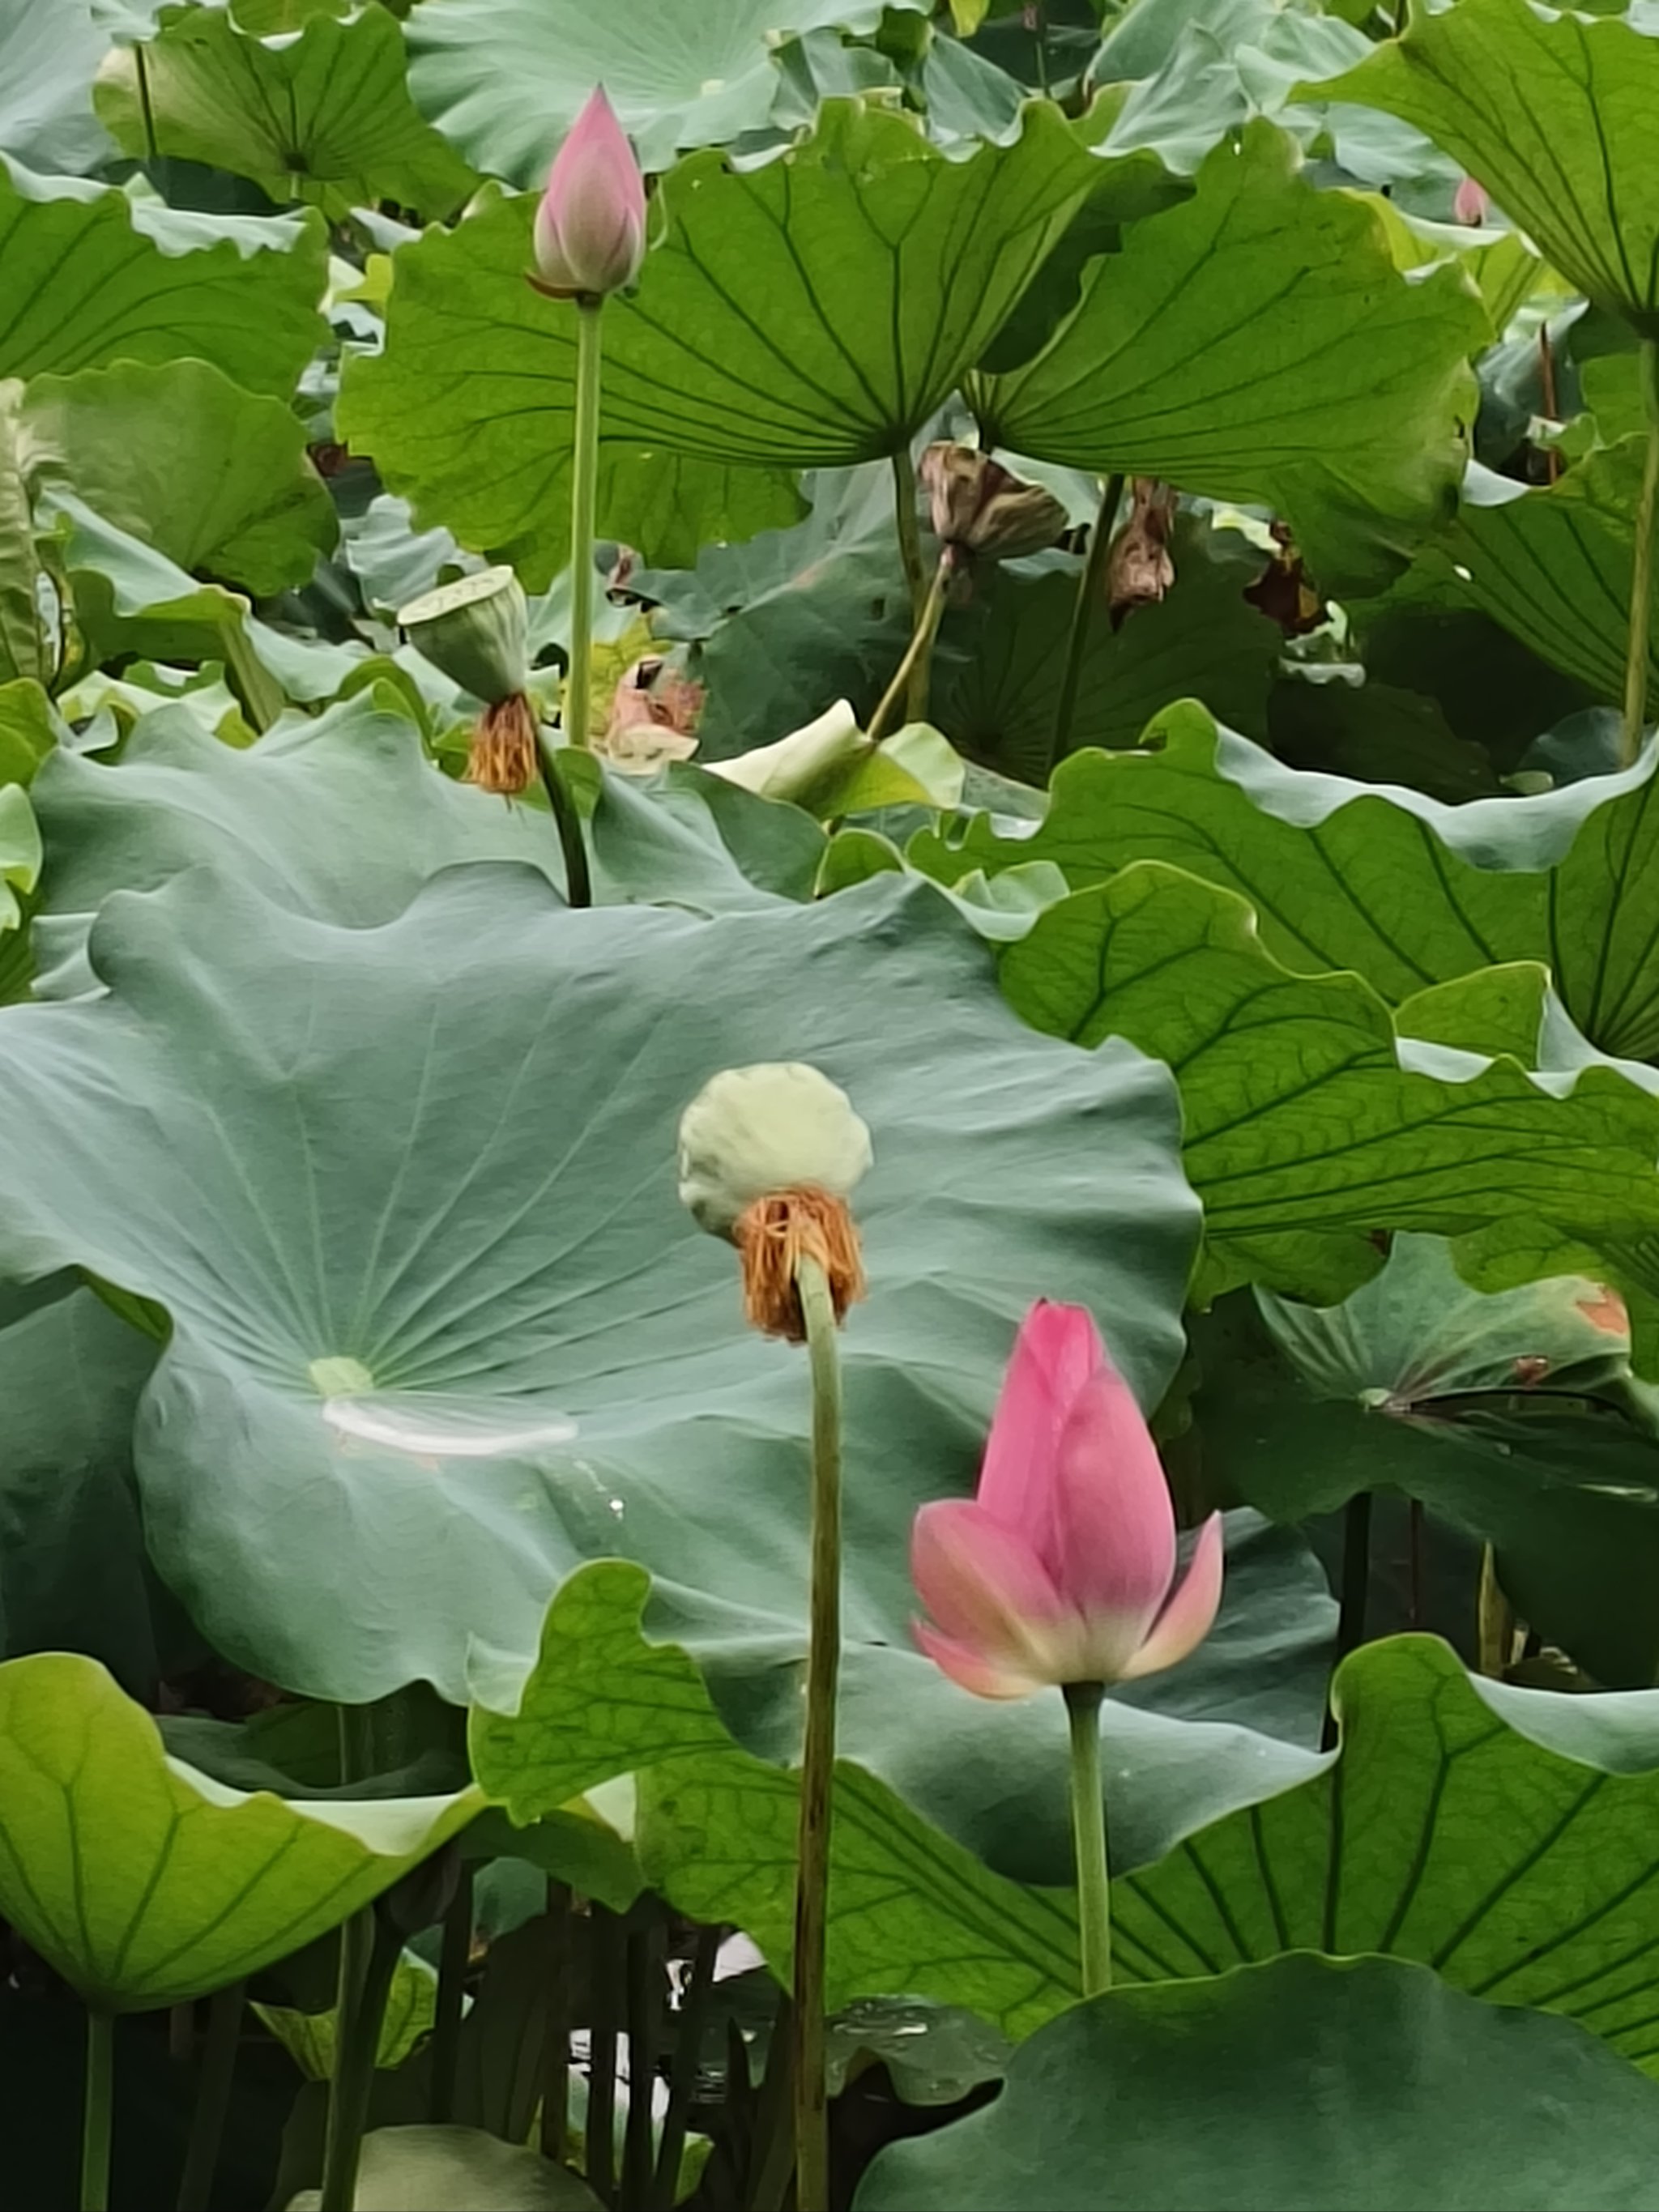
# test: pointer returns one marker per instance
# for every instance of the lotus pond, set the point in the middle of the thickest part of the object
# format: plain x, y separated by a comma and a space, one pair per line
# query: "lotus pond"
829, 1025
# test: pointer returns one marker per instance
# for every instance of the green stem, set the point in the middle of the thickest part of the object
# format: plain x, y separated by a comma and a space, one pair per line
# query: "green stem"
1354, 1594
556, 2034
207, 2125
605, 1930
145, 106
772, 2151
818, 1755
918, 655
909, 531
1084, 609
356, 2046
644, 1987
584, 485
1094, 1890
454, 1957
915, 568
1641, 575
98, 2111
262, 696
363, 1941
568, 820
683, 2075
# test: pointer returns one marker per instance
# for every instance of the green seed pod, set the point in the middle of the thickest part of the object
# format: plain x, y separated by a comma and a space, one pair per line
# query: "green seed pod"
475, 630
753, 1132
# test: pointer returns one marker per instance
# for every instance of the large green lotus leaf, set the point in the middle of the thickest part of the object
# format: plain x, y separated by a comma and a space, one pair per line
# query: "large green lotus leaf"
1306, 2084
214, 477
1554, 564
1503, 1837
1196, 73
1506, 1414
178, 799
91, 279
130, 601
1378, 733
319, 113
25, 651
910, 1910
694, 840
311, 2038
408, 1195
1404, 890
1558, 117
19, 855
915, 1908
1491, 1011
1257, 344
146, 1883
1234, 1722
72, 1567
1310, 1128
31, 728
506, 79
48, 59
341, 817
1202, 641
911, 1913
808, 314
456, 2169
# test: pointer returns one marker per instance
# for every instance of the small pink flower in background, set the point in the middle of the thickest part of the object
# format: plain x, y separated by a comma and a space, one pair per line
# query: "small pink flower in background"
1470, 204
1060, 1570
590, 226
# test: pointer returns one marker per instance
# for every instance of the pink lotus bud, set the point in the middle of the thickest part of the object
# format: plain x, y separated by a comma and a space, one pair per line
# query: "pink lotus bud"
1470, 202
590, 226
1060, 1570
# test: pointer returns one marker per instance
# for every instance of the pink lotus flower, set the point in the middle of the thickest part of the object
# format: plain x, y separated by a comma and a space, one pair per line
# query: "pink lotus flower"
1060, 1571
1470, 202
590, 226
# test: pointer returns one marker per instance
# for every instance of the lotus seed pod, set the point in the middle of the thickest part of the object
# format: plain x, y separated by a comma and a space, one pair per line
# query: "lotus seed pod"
476, 631
757, 1132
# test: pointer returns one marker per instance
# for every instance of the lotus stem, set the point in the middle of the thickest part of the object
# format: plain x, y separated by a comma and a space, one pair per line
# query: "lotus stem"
568, 820
772, 2151
1084, 610
818, 1755
915, 669
556, 2032
98, 2111
453, 1957
1355, 1593
1094, 1889
682, 2076
584, 489
207, 2126
644, 1978
916, 566
368, 1954
357, 2024
609, 1967
1641, 574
